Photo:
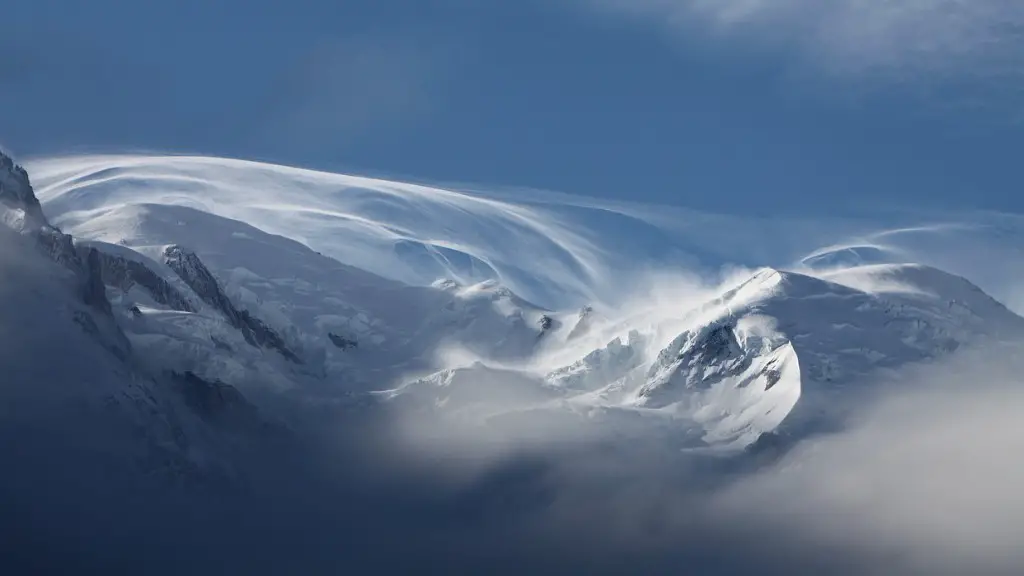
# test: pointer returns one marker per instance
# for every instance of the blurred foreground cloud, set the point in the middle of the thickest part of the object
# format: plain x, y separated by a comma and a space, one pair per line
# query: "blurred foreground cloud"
924, 479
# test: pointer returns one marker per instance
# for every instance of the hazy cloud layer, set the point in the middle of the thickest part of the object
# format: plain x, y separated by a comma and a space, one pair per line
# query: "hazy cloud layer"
857, 37
923, 480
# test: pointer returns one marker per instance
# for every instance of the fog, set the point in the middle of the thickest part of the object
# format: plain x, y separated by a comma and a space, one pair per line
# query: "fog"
923, 479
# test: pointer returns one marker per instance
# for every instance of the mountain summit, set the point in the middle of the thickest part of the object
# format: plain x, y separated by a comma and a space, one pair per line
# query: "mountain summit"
191, 290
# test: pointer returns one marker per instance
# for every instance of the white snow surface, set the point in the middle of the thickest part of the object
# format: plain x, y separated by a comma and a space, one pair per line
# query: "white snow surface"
468, 305
407, 232
781, 346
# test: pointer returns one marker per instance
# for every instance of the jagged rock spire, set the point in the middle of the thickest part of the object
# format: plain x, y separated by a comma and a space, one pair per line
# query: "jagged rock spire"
16, 193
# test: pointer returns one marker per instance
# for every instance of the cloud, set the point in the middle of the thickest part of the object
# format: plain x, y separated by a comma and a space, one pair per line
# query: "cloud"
893, 38
927, 480
924, 479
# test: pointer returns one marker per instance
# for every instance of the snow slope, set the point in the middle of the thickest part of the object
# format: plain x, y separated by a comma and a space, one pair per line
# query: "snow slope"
332, 320
410, 233
77, 395
328, 284
782, 352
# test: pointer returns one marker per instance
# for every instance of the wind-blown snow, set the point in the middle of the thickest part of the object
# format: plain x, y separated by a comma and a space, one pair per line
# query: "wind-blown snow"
411, 233
557, 250
376, 283
561, 367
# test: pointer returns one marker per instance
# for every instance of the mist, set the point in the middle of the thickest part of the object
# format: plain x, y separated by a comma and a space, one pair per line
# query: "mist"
922, 478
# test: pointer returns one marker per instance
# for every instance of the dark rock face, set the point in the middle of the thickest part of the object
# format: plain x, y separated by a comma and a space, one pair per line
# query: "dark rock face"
191, 269
698, 360
115, 341
16, 191
124, 273
716, 345
211, 401
342, 342
772, 375
94, 291
59, 247
586, 317
224, 408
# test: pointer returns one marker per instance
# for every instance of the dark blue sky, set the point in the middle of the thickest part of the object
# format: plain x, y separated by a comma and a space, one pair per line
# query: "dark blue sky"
551, 94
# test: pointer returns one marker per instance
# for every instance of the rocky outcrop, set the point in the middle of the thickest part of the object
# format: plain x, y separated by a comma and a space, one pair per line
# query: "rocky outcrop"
583, 324
215, 401
191, 269
25, 216
225, 409
124, 274
16, 192
342, 342
94, 291
699, 360
547, 325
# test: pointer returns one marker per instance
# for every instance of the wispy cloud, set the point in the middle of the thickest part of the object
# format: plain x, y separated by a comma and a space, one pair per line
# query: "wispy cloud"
893, 38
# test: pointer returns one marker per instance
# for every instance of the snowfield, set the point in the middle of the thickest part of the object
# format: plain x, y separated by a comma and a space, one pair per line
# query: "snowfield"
217, 365
411, 233
473, 308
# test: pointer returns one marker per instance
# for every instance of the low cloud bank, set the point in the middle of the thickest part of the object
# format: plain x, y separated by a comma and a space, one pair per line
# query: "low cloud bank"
924, 479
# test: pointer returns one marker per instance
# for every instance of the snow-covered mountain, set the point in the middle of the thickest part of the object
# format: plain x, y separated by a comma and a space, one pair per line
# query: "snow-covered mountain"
279, 282
782, 352
79, 398
207, 354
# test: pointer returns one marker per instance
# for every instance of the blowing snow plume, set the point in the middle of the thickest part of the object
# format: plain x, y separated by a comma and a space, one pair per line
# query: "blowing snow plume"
683, 421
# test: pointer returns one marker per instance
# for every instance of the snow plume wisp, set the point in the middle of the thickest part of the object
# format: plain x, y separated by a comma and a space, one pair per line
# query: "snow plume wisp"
408, 232
922, 480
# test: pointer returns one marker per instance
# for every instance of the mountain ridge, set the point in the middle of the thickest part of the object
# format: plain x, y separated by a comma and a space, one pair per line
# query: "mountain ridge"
736, 365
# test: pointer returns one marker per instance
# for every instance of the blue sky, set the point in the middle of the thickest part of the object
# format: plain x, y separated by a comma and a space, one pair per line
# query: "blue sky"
740, 105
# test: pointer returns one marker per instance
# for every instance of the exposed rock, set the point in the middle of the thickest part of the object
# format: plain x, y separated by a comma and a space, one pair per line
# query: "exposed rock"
16, 192
584, 323
211, 401
697, 360
94, 291
25, 216
342, 342
225, 408
114, 341
718, 343
124, 273
198, 277
546, 322
59, 247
